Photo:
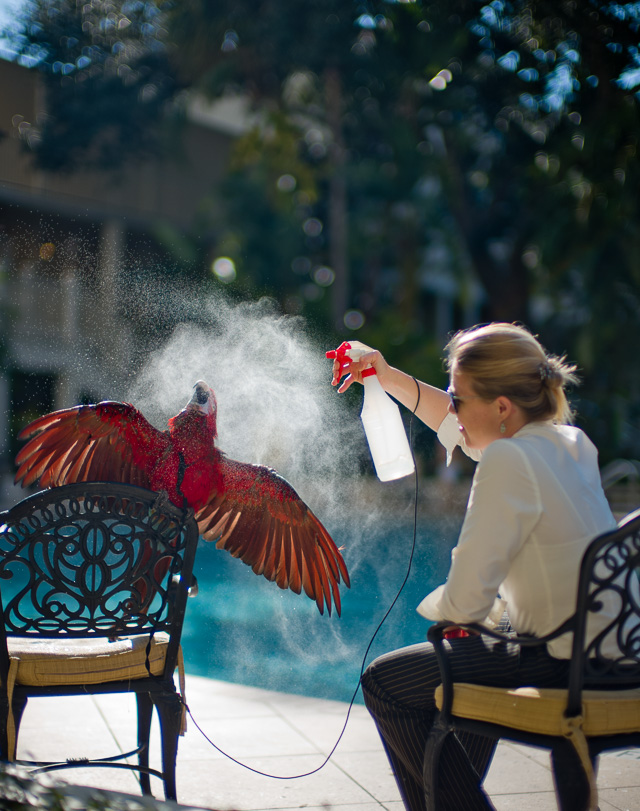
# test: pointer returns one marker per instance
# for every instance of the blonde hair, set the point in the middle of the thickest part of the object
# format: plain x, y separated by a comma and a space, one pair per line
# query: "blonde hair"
507, 360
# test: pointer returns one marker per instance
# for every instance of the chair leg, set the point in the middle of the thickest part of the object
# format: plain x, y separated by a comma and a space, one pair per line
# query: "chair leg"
19, 703
432, 751
4, 730
449, 777
145, 713
169, 708
571, 783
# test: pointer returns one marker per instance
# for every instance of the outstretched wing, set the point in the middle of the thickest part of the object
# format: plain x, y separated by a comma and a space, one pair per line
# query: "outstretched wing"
109, 441
258, 517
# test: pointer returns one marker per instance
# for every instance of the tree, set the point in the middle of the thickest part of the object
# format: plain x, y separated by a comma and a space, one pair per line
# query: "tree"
107, 76
298, 63
580, 117
485, 96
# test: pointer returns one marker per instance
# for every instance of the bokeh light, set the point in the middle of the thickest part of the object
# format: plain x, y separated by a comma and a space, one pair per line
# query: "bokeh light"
354, 319
324, 276
441, 79
312, 227
47, 251
286, 183
224, 269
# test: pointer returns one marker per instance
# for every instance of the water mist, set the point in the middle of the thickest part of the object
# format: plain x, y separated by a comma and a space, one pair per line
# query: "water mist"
276, 407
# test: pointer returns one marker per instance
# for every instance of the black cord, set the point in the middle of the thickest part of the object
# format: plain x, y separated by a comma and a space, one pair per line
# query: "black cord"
371, 641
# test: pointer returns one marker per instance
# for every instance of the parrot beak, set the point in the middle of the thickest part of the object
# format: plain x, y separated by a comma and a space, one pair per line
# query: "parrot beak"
202, 399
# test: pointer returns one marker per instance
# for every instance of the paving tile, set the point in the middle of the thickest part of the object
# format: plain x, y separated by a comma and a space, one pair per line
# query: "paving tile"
355, 807
329, 731
243, 737
208, 698
618, 772
121, 780
619, 800
370, 770
507, 770
228, 786
524, 801
51, 713
52, 728
294, 705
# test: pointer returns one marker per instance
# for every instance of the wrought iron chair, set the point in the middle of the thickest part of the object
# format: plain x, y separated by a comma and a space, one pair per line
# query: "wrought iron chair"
599, 710
94, 580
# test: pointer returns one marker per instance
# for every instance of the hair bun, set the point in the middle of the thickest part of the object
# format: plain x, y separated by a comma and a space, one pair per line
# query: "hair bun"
546, 372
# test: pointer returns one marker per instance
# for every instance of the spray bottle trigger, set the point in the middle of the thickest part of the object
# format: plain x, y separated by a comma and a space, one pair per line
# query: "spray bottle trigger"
340, 353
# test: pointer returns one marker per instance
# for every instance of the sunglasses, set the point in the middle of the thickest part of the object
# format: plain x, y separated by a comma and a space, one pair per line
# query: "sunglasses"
456, 399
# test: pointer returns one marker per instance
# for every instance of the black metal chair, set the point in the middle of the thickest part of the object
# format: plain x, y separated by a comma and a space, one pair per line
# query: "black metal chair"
94, 583
599, 710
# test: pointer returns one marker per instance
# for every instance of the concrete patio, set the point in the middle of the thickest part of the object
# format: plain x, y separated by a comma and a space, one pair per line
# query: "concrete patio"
283, 735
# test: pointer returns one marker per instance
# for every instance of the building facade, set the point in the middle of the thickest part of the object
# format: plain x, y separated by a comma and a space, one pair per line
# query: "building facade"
75, 250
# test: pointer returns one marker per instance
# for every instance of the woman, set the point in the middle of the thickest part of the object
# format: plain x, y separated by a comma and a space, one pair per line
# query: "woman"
535, 504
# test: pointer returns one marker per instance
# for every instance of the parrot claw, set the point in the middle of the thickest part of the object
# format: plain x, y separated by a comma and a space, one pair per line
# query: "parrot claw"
162, 499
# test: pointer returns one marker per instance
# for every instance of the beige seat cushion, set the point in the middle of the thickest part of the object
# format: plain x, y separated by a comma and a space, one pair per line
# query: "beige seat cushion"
53, 662
46, 662
604, 712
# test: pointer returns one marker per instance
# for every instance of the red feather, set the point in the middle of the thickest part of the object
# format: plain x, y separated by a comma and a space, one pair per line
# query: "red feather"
249, 510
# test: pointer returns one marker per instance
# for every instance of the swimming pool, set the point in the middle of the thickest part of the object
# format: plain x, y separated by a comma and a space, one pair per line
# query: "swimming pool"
243, 629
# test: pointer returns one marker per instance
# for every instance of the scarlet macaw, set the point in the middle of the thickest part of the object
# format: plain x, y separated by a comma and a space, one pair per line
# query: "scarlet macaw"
247, 509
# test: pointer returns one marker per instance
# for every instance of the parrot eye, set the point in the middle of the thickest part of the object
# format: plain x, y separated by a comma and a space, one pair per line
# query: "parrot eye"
202, 396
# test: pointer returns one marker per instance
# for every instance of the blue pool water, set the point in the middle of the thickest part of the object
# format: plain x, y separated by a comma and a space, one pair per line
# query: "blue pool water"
243, 629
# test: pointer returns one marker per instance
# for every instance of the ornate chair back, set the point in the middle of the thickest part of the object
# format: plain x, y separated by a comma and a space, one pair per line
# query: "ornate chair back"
94, 580
600, 708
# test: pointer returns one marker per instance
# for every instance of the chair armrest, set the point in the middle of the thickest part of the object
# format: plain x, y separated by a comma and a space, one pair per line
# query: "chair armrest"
435, 635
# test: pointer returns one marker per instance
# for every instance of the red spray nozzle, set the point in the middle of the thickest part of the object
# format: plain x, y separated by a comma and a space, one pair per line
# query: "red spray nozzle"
347, 352
341, 354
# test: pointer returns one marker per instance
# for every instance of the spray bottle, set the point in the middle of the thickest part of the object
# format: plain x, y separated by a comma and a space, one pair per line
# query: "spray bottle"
381, 419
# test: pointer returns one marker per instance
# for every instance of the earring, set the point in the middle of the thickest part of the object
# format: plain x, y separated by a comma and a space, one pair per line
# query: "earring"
503, 428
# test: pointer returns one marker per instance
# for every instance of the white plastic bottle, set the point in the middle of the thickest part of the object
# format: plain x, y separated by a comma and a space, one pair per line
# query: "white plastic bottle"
385, 431
382, 422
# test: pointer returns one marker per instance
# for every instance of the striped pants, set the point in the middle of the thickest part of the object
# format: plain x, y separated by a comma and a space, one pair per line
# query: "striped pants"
398, 690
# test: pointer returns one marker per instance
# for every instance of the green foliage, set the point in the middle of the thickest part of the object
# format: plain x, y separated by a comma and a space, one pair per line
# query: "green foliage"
257, 46
108, 80
21, 791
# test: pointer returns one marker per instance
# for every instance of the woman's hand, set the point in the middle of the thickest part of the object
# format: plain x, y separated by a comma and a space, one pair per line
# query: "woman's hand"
353, 369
